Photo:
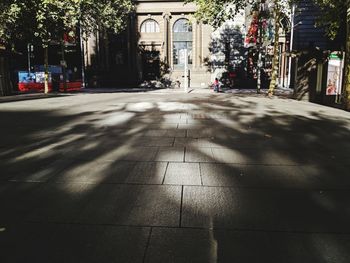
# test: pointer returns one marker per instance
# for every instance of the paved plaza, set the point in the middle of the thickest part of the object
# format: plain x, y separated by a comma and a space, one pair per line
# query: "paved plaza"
173, 177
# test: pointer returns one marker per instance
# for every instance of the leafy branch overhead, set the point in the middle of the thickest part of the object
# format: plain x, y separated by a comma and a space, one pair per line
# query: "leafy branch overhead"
333, 17
216, 12
46, 20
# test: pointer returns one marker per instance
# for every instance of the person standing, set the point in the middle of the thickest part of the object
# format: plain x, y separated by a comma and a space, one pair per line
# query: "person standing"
216, 85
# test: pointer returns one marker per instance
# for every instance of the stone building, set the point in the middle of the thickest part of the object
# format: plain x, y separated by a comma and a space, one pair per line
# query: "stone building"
152, 45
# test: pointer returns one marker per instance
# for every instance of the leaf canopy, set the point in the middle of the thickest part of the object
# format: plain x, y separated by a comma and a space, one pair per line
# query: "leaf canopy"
42, 21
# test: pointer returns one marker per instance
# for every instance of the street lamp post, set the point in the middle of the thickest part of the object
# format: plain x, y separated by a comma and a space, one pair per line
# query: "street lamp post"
291, 46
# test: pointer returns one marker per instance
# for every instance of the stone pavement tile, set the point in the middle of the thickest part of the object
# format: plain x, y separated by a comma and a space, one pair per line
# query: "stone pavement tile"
116, 172
137, 172
229, 156
149, 205
191, 126
155, 133
33, 148
17, 200
334, 176
206, 120
90, 150
22, 243
88, 243
177, 133
173, 120
147, 173
242, 143
203, 245
259, 176
154, 142
96, 172
170, 154
180, 245
284, 176
194, 154
164, 133
142, 154
171, 116
226, 175
195, 142
115, 149
162, 126
222, 136
209, 207
202, 133
32, 170
72, 243
275, 210
183, 174
60, 202
250, 156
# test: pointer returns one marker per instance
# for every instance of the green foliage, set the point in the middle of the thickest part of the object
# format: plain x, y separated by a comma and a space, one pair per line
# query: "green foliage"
43, 21
333, 15
215, 12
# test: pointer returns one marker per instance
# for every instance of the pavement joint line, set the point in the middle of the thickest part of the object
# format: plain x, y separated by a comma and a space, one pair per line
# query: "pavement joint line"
184, 158
256, 188
261, 230
181, 205
166, 169
210, 162
259, 188
147, 245
200, 173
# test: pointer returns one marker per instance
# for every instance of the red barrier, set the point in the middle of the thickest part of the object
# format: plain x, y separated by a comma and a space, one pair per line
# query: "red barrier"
40, 87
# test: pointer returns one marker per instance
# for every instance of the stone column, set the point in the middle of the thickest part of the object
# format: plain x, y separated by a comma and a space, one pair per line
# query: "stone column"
199, 44
166, 38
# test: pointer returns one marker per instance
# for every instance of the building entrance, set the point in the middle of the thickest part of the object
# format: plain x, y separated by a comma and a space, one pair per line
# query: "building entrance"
151, 64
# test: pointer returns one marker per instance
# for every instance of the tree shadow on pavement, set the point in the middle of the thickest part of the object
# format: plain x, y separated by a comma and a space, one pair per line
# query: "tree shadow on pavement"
259, 175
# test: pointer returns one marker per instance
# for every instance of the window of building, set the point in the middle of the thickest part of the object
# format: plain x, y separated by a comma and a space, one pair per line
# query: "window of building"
150, 26
182, 40
182, 25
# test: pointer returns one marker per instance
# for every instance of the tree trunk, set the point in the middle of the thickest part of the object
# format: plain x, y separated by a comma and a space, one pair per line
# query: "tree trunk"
64, 67
347, 60
275, 59
46, 65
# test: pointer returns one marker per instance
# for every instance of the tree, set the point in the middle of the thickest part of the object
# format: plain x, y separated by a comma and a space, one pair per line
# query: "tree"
45, 21
215, 12
335, 18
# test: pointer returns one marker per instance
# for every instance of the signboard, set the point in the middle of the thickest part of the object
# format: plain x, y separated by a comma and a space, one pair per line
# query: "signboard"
335, 75
40, 77
26, 77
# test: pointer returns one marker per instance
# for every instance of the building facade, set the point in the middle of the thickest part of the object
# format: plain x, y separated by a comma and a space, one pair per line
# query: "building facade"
152, 46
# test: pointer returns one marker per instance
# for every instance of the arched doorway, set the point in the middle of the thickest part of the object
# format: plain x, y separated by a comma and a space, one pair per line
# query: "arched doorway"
182, 40
149, 51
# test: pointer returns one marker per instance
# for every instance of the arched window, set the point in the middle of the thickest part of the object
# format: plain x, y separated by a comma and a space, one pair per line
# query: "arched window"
182, 25
150, 26
182, 40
